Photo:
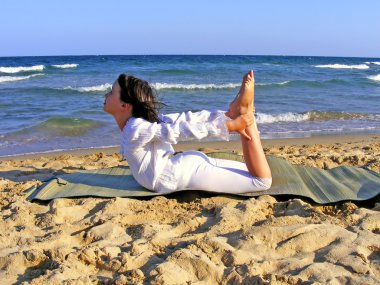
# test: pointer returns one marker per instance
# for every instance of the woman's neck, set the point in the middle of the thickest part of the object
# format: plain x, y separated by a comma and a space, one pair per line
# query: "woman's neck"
121, 121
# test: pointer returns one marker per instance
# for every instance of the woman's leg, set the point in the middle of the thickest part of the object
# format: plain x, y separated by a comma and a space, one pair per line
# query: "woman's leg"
252, 149
243, 102
254, 156
194, 170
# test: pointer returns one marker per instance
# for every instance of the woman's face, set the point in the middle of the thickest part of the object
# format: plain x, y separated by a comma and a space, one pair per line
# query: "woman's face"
112, 103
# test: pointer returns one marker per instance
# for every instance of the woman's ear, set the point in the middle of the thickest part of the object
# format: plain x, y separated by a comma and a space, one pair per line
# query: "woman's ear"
126, 107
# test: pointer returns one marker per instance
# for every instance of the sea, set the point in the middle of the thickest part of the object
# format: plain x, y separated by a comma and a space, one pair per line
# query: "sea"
50, 103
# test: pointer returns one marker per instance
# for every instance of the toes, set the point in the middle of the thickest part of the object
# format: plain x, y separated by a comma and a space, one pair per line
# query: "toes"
248, 76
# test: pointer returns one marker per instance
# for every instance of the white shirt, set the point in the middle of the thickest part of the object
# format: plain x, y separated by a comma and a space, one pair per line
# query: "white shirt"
147, 146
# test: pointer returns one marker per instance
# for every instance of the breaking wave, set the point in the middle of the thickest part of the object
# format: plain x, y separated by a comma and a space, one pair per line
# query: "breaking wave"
344, 66
178, 86
373, 62
4, 79
374, 77
263, 118
9, 69
68, 65
96, 88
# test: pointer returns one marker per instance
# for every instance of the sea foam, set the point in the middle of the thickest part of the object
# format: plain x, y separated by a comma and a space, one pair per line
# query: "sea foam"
9, 69
169, 86
4, 79
96, 88
373, 62
344, 66
374, 77
163, 86
274, 83
263, 118
67, 65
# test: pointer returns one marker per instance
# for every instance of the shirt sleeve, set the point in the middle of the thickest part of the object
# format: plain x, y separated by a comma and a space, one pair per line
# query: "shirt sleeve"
179, 127
193, 117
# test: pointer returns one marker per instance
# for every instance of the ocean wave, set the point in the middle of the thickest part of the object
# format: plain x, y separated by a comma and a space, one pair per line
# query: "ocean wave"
374, 77
4, 79
327, 116
96, 88
178, 86
272, 84
67, 65
344, 66
211, 86
9, 69
263, 118
373, 62
53, 127
68, 126
296, 83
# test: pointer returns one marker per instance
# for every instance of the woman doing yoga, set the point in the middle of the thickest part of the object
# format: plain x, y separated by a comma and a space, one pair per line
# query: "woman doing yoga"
147, 139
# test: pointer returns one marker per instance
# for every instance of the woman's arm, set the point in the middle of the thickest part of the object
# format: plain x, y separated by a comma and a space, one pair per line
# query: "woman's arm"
200, 116
178, 127
186, 127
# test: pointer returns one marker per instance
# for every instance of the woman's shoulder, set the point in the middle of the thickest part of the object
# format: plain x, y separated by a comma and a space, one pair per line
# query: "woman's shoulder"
134, 122
136, 129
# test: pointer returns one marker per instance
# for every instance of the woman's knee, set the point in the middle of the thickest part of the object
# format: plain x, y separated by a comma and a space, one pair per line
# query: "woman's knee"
262, 183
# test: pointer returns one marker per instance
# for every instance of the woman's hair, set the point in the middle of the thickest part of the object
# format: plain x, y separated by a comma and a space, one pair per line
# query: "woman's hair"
141, 96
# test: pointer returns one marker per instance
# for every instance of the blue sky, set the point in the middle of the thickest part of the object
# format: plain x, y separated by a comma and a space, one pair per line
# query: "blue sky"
273, 27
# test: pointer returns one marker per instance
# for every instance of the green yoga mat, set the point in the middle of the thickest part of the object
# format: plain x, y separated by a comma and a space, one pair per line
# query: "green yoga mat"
322, 186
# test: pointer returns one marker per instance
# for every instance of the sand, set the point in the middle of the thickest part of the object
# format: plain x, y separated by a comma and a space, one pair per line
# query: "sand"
193, 237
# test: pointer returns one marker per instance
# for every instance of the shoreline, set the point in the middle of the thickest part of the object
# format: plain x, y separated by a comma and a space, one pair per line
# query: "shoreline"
215, 145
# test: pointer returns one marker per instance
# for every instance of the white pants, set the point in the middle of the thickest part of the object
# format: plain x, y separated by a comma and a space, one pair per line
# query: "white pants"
195, 170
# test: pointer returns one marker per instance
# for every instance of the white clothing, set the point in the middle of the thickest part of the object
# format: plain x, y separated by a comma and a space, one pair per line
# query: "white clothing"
148, 151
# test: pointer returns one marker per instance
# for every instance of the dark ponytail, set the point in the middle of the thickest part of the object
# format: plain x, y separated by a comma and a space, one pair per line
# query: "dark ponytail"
141, 96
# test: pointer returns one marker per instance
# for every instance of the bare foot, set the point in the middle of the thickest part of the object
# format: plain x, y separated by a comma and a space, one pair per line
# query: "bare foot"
243, 102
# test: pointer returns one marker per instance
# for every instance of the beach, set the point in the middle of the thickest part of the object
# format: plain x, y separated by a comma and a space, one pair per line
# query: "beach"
310, 110
189, 237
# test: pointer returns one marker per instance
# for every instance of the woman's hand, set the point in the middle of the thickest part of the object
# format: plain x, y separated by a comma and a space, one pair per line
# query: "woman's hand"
240, 124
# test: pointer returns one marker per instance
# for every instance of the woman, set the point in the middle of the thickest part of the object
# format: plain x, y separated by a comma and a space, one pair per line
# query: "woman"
147, 138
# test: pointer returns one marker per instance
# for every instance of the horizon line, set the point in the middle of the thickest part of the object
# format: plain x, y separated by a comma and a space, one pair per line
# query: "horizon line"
189, 54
